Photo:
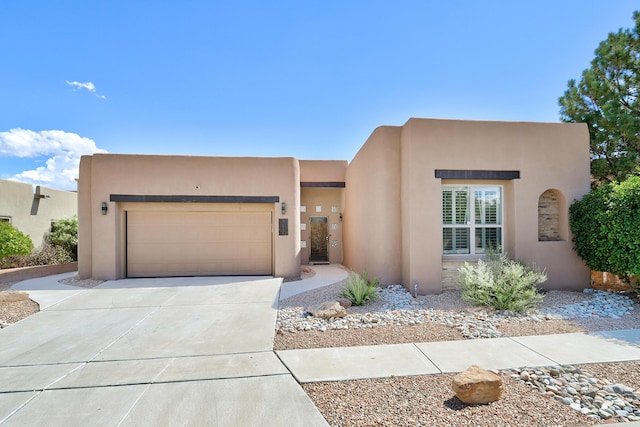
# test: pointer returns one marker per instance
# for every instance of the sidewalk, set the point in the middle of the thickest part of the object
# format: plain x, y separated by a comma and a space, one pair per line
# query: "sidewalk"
379, 361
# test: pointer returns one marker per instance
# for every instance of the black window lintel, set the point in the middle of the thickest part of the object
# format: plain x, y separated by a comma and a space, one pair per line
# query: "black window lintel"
476, 174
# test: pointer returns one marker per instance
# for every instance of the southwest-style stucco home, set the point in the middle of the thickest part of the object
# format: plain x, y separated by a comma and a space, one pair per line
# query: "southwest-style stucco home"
415, 203
32, 209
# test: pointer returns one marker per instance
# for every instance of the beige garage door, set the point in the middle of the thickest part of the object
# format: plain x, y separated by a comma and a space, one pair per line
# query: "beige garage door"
198, 243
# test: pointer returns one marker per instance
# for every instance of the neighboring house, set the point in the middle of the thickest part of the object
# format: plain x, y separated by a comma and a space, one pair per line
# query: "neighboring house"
31, 209
415, 203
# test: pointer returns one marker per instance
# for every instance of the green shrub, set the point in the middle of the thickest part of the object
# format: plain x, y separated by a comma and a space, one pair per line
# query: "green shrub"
358, 289
606, 228
501, 283
13, 241
64, 233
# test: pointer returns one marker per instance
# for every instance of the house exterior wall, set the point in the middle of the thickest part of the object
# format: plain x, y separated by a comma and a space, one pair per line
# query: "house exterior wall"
547, 155
389, 197
33, 216
102, 238
372, 214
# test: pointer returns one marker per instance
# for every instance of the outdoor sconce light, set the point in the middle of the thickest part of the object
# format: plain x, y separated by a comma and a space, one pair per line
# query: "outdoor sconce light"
104, 208
341, 217
283, 208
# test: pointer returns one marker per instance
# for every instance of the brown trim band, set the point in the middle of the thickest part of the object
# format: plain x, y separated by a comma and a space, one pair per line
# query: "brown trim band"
329, 184
192, 199
476, 174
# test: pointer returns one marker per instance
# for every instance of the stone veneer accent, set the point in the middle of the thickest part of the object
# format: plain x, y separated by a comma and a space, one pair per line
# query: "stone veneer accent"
548, 216
450, 274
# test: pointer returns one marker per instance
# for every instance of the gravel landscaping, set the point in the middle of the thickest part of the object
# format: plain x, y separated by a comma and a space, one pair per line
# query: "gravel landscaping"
429, 401
532, 396
12, 312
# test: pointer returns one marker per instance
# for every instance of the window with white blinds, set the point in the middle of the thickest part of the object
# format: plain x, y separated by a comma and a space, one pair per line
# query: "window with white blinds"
471, 219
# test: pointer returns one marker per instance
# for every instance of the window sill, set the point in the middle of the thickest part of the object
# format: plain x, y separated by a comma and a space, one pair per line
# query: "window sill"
468, 258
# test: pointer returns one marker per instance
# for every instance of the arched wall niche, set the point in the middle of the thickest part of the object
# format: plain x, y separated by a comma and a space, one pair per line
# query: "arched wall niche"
553, 219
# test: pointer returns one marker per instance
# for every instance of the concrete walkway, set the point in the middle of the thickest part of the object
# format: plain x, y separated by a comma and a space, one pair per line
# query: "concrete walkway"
198, 351
324, 275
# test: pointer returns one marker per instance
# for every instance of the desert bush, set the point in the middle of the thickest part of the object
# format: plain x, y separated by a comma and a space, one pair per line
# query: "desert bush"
359, 290
47, 254
13, 241
501, 283
64, 233
14, 261
606, 228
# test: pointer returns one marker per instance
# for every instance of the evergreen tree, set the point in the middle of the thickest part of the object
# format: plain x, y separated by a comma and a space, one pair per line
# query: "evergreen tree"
606, 98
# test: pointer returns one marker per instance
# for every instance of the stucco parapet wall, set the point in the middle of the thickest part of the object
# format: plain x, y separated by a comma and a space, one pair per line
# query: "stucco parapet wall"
489, 123
24, 273
313, 171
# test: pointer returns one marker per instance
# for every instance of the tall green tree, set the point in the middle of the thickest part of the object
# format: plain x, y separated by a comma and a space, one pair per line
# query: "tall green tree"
606, 98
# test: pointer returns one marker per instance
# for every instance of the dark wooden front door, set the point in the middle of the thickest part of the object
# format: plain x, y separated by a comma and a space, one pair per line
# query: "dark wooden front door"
319, 239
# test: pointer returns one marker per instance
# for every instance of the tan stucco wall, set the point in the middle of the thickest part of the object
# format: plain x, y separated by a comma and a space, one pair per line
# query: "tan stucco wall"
323, 170
34, 216
372, 215
548, 156
102, 237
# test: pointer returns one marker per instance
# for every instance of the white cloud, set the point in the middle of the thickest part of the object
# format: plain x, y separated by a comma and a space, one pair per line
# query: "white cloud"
86, 85
63, 150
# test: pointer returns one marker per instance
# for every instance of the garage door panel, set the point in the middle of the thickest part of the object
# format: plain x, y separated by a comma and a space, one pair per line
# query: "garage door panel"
170, 243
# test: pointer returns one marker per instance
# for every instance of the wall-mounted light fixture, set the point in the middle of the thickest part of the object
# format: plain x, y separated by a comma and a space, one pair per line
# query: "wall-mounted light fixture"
341, 217
104, 208
283, 208
39, 195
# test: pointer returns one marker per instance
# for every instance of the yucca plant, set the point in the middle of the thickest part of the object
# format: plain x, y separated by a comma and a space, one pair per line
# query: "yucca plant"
358, 289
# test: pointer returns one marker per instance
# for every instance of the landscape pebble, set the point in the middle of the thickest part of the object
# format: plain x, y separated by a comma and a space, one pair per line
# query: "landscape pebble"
399, 307
603, 304
596, 398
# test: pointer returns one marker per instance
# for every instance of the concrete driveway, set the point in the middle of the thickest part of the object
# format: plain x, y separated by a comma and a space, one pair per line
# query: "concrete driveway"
150, 352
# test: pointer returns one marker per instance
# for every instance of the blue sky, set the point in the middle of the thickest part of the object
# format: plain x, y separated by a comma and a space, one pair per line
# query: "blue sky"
307, 79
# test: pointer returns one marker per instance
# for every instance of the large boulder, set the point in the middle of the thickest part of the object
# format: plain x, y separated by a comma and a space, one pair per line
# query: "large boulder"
13, 296
477, 386
327, 310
